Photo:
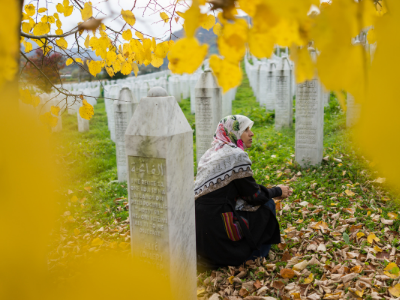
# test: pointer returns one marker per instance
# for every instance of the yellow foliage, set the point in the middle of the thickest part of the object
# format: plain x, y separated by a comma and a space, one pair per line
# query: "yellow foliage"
69, 61
309, 279
94, 67
304, 69
232, 41
192, 19
58, 24
28, 47
26, 27
86, 111
41, 28
128, 16
135, 68
87, 11
186, 55
44, 19
162, 49
30, 9
164, 16
395, 290
372, 237
207, 21
60, 8
228, 74
55, 110
97, 242
62, 43
59, 31
126, 68
127, 35
261, 44
217, 29
392, 270
42, 10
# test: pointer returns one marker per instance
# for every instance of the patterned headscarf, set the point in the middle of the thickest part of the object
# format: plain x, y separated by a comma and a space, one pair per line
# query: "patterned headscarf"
230, 130
222, 164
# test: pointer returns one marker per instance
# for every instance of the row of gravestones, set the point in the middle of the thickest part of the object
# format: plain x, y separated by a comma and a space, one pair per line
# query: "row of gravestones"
273, 84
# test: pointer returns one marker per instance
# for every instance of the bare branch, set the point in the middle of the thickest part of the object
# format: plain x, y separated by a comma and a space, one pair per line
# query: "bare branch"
46, 36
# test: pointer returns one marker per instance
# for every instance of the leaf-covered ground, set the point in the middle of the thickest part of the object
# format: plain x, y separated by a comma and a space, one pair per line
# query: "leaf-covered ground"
339, 228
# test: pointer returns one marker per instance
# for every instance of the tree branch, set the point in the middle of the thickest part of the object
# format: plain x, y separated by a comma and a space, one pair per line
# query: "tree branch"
46, 36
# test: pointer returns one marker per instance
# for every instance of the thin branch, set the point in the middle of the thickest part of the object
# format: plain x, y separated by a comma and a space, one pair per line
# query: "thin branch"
46, 36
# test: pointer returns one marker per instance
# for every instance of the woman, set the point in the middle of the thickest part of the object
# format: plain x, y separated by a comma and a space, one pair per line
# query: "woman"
235, 217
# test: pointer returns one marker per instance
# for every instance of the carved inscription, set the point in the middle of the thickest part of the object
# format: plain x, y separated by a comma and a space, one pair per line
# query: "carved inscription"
148, 209
204, 124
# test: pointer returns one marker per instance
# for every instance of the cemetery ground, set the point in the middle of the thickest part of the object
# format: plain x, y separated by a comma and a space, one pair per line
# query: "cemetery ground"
340, 228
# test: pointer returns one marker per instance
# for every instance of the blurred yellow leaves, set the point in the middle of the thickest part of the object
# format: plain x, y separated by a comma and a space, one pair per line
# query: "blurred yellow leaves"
26, 97
207, 21
62, 43
55, 110
48, 119
94, 67
41, 28
127, 35
309, 279
30, 9
128, 16
228, 74
87, 11
186, 55
392, 270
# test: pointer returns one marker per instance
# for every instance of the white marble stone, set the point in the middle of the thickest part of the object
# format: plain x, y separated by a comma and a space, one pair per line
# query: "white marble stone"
226, 104
309, 123
208, 111
123, 112
353, 111
283, 95
83, 124
193, 81
267, 88
159, 149
113, 95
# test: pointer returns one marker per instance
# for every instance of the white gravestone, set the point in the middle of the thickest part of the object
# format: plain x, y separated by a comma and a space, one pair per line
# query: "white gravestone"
193, 80
283, 95
159, 149
268, 85
123, 112
309, 123
208, 111
353, 111
226, 104
83, 124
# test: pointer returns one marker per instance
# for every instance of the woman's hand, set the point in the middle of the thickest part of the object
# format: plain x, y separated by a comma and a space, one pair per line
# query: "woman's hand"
286, 191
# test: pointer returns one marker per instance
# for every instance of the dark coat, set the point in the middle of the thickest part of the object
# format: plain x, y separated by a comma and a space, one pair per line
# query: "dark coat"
215, 246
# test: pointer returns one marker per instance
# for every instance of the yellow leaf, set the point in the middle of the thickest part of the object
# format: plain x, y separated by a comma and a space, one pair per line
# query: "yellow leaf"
156, 61
56, 16
304, 65
128, 16
97, 242
35, 101
229, 75
287, 273
360, 234
74, 199
377, 249
25, 96
372, 237
87, 41
162, 49
58, 24
200, 291
126, 68
26, 27
59, 31
30, 9
232, 41
309, 279
41, 28
60, 8
76, 231
139, 35
217, 29
42, 10
79, 60
111, 57
395, 290
135, 68
392, 270
62, 43
192, 19
164, 16
87, 11
208, 22
86, 111
349, 193
392, 215
127, 35
55, 110
186, 55
68, 10
110, 71
51, 19
94, 67
28, 47
43, 19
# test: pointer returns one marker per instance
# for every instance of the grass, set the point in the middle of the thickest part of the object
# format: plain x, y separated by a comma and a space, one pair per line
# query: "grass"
94, 199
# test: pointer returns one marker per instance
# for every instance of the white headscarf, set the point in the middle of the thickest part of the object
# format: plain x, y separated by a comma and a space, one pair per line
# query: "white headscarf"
225, 160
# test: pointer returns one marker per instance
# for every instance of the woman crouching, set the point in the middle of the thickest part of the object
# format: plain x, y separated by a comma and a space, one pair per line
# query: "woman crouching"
235, 216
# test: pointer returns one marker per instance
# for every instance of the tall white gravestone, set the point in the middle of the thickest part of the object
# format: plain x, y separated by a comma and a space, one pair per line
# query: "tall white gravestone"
208, 111
283, 96
159, 149
309, 123
83, 124
123, 112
